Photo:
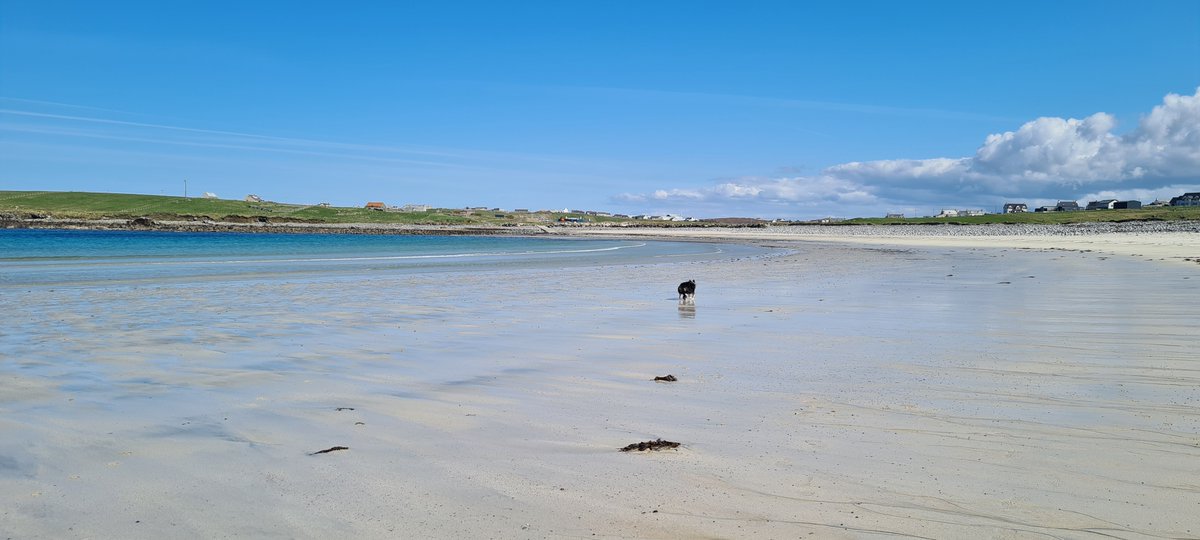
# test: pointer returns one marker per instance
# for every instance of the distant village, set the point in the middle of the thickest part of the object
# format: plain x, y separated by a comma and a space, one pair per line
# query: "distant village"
578, 216
500, 212
497, 212
1187, 199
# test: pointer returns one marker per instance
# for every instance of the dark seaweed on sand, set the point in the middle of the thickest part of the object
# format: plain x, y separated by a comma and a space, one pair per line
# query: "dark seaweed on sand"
658, 444
330, 449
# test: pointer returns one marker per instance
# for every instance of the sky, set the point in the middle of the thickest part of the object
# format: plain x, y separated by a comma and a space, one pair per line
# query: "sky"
708, 109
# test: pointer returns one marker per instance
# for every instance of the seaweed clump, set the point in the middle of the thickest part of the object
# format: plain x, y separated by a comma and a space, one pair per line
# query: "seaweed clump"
658, 444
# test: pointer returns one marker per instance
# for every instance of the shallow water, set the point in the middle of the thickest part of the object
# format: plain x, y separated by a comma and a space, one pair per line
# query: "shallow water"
55, 257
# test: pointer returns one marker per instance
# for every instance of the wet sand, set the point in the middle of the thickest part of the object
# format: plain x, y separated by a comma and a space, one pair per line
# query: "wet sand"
837, 390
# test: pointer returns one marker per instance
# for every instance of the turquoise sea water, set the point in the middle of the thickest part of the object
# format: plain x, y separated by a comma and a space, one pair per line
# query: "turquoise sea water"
60, 257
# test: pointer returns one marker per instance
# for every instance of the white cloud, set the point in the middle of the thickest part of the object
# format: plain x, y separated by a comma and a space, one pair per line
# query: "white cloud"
1044, 158
798, 189
1167, 141
692, 194
1060, 152
1053, 149
945, 169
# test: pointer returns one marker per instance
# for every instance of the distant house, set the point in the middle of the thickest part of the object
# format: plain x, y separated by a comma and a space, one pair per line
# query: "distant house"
376, 206
1045, 209
1127, 205
415, 208
1187, 199
253, 198
951, 212
1015, 208
1066, 206
1106, 204
894, 216
324, 205
1158, 204
210, 195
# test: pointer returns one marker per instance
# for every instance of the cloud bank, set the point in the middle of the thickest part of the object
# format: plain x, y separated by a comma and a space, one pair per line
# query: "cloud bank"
1044, 159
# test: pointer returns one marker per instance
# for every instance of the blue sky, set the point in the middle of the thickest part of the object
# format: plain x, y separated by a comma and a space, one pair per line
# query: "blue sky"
769, 109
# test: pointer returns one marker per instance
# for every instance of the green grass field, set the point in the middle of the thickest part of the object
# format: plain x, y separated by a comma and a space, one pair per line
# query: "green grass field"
82, 205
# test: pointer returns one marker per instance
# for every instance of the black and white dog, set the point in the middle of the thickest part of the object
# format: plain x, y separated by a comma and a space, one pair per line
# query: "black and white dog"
687, 290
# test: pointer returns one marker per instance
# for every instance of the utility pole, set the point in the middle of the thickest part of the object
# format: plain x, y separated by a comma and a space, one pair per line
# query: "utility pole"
185, 188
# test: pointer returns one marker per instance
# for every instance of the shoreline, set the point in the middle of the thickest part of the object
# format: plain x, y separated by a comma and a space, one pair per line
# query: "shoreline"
1177, 241
146, 224
702, 231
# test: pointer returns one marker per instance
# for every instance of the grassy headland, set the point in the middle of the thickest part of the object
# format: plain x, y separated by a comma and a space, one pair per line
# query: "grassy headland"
97, 206
107, 206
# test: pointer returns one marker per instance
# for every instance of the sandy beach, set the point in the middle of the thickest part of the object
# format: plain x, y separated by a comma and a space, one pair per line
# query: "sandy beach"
1175, 243
843, 387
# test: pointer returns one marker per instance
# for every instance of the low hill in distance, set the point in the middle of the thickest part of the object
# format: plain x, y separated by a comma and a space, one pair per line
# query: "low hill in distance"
96, 206
24, 205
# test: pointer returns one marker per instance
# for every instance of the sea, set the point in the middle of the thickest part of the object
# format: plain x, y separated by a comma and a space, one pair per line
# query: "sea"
72, 257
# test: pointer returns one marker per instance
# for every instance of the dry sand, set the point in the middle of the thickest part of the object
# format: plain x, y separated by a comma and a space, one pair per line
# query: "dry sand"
1171, 246
926, 388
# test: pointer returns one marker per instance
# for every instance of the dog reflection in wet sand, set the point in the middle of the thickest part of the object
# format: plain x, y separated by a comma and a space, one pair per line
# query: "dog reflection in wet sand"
687, 291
